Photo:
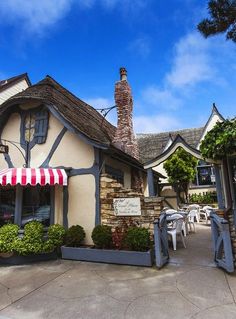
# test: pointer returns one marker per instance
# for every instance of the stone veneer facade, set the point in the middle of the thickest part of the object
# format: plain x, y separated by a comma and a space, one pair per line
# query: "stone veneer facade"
110, 189
124, 138
232, 235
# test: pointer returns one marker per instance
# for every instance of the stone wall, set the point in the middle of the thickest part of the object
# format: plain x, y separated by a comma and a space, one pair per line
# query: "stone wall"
110, 189
232, 235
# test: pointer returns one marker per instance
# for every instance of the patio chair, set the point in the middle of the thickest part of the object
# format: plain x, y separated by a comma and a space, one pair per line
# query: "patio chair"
205, 211
176, 230
197, 208
191, 220
184, 226
170, 211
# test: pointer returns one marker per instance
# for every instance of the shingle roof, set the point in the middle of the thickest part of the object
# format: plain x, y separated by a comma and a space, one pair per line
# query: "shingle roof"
10, 81
81, 116
152, 145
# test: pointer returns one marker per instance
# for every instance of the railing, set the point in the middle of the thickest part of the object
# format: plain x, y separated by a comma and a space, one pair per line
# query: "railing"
222, 242
161, 241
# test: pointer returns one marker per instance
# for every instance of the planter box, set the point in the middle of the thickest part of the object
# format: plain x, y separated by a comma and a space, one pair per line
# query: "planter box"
122, 257
20, 260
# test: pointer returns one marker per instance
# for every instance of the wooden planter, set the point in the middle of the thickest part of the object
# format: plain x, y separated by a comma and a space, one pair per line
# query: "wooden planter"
122, 257
20, 260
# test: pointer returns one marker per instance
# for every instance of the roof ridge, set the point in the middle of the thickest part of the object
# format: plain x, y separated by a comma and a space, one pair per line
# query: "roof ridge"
169, 132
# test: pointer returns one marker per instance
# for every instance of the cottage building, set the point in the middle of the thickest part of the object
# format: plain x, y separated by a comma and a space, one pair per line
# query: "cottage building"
152, 146
58, 148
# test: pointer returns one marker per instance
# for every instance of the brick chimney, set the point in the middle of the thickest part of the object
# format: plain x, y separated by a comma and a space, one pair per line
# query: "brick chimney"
124, 138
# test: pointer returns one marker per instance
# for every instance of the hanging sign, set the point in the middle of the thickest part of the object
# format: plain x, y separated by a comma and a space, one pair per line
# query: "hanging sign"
4, 149
127, 206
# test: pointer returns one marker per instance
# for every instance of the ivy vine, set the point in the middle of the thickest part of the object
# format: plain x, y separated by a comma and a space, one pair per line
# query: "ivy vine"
220, 141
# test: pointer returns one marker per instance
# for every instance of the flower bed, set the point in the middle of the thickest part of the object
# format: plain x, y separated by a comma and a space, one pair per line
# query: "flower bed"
110, 256
110, 246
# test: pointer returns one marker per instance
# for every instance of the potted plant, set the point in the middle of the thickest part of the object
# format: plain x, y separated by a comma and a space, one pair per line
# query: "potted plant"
124, 245
32, 246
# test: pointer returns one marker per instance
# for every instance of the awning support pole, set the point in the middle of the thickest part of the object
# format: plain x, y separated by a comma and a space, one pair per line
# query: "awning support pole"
18, 205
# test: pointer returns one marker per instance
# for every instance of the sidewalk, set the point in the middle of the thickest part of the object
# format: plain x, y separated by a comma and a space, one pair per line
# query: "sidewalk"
189, 287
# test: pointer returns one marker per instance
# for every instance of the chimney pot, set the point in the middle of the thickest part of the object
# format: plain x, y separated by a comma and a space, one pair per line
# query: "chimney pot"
123, 74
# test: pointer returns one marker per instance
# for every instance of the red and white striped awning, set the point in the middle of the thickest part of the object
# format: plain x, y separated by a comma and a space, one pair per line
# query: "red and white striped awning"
33, 176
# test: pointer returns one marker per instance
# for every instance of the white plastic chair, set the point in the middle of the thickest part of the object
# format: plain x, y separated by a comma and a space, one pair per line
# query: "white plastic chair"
176, 230
191, 219
170, 211
205, 211
184, 226
197, 208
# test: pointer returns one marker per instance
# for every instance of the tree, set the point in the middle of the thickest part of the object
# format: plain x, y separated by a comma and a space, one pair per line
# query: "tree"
223, 19
181, 170
220, 141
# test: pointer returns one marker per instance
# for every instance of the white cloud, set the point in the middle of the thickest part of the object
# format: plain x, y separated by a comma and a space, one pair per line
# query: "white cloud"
156, 123
99, 103
141, 46
161, 98
34, 16
192, 62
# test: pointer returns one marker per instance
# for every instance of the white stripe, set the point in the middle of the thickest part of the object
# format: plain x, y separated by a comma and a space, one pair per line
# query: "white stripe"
18, 175
28, 176
56, 176
64, 177
38, 176
47, 176
9, 175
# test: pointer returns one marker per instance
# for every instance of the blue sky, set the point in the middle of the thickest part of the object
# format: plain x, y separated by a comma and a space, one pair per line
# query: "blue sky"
175, 73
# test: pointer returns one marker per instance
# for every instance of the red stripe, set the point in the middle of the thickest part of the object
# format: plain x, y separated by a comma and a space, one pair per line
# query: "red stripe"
13, 176
60, 182
42, 176
4, 180
23, 176
50, 171
33, 176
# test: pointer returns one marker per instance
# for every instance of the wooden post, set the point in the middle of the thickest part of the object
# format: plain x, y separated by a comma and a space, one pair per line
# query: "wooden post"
150, 177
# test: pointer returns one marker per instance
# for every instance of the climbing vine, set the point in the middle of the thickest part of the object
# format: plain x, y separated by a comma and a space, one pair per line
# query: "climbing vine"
220, 141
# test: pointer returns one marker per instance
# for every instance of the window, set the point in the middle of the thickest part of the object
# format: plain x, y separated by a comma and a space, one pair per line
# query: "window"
7, 204
36, 204
115, 173
205, 174
29, 127
34, 127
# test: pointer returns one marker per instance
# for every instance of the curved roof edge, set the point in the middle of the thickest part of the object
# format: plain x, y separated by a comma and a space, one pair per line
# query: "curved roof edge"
178, 142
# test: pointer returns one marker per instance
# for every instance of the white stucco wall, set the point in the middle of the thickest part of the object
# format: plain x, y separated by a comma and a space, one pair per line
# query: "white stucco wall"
73, 152
11, 132
12, 90
82, 203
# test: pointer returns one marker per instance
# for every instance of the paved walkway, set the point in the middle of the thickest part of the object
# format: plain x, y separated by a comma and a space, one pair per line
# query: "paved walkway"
189, 287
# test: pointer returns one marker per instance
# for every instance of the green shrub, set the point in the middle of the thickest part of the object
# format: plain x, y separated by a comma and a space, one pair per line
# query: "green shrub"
74, 236
102, 236
203, 198
56, 235
32, 241
137, 239
8, 234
